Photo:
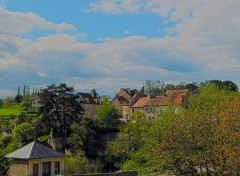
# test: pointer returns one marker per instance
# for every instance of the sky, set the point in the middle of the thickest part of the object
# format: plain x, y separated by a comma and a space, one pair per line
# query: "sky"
109, 44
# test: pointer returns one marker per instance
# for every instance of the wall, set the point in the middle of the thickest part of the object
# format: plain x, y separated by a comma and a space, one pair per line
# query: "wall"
118, 106
19, 167
40, 161
124, 173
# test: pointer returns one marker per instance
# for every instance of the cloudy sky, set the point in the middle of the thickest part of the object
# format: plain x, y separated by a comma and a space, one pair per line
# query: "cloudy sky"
108, 44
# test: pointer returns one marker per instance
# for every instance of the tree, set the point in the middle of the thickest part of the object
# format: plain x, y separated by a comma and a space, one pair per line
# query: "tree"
18, 98
5, 164
83, 138
8, 101
224, 85
24, 133
204, 140
59, 110
107, 116
154, 88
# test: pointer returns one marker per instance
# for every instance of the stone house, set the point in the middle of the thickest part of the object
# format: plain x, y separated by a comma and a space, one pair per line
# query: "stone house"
36, 159
152, 105
89, 103
123, 101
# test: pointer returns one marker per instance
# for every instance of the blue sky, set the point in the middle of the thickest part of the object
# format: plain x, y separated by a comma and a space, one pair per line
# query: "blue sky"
108, 44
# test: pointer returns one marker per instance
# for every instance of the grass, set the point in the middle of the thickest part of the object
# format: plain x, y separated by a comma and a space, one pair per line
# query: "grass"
9, 111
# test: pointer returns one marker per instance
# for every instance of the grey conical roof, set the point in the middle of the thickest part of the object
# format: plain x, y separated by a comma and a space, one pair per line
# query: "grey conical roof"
34, 150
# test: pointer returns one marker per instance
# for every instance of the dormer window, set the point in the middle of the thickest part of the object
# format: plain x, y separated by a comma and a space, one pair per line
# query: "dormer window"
87, 100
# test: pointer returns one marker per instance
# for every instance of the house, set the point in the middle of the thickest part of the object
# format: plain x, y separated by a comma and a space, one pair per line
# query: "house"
36, 100
123, 101
89, 102
36, 159
150, 105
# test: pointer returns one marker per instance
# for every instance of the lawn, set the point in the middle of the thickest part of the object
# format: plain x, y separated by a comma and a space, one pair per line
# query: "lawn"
9, 111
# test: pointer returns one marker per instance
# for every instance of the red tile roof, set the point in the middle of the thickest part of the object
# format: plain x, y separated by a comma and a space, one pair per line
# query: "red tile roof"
141, 102
171, 96
156, 101
174, 96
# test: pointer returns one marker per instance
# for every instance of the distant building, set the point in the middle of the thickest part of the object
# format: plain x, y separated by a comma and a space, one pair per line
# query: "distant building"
89, 102
159, 103
36, 159
36, 100
123, 101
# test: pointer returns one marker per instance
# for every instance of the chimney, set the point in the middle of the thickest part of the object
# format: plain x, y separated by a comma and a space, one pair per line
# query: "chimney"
93, 93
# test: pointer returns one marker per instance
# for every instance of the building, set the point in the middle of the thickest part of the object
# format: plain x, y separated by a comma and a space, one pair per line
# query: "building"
123, 101
89, 103
36, 159
150, 105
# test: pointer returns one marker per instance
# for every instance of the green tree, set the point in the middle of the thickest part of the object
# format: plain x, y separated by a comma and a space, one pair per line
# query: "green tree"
224, 85
107, 116
5, 164
204, 139
18, 98
8, 101
83, 138
59, 110
24, 133
154, 88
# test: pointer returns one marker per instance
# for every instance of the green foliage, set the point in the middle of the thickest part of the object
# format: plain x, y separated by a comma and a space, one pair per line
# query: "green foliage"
8, 102
204, 139
223, 85
7, 112
80, 166
24, 134
83, 138
59, 111
5, 164
201, 140
107, 116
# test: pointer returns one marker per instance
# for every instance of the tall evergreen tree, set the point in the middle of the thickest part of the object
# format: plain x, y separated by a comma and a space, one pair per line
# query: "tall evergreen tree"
59, 110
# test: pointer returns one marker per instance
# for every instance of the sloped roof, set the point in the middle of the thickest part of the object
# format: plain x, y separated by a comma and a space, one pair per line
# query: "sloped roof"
87, 98
141, 102
174, 96
129, 91
156, 101
171, 96
34, 150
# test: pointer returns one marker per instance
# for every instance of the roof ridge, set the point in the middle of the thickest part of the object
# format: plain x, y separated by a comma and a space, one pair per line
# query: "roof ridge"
30, 153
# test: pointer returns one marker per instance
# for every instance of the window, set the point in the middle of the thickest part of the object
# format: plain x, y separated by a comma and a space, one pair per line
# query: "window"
57, 167
35, 170
46, 169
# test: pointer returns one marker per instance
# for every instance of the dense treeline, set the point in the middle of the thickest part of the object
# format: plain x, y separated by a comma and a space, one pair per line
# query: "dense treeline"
202, 139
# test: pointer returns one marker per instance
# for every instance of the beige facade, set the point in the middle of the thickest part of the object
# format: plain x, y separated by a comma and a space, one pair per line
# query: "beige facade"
123, 101
19, 167
118, 106
36, 159
90, 109
89, 103
126, 112
156, 105
26, 168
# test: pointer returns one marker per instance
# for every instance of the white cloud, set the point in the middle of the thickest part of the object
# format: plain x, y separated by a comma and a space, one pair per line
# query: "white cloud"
17, 23
205, 48
172, 9
116, 6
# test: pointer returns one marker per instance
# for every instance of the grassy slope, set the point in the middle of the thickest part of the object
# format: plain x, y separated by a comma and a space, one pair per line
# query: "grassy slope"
9, 111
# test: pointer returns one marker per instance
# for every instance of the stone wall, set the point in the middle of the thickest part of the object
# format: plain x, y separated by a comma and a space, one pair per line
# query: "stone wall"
19, 167
124, 173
